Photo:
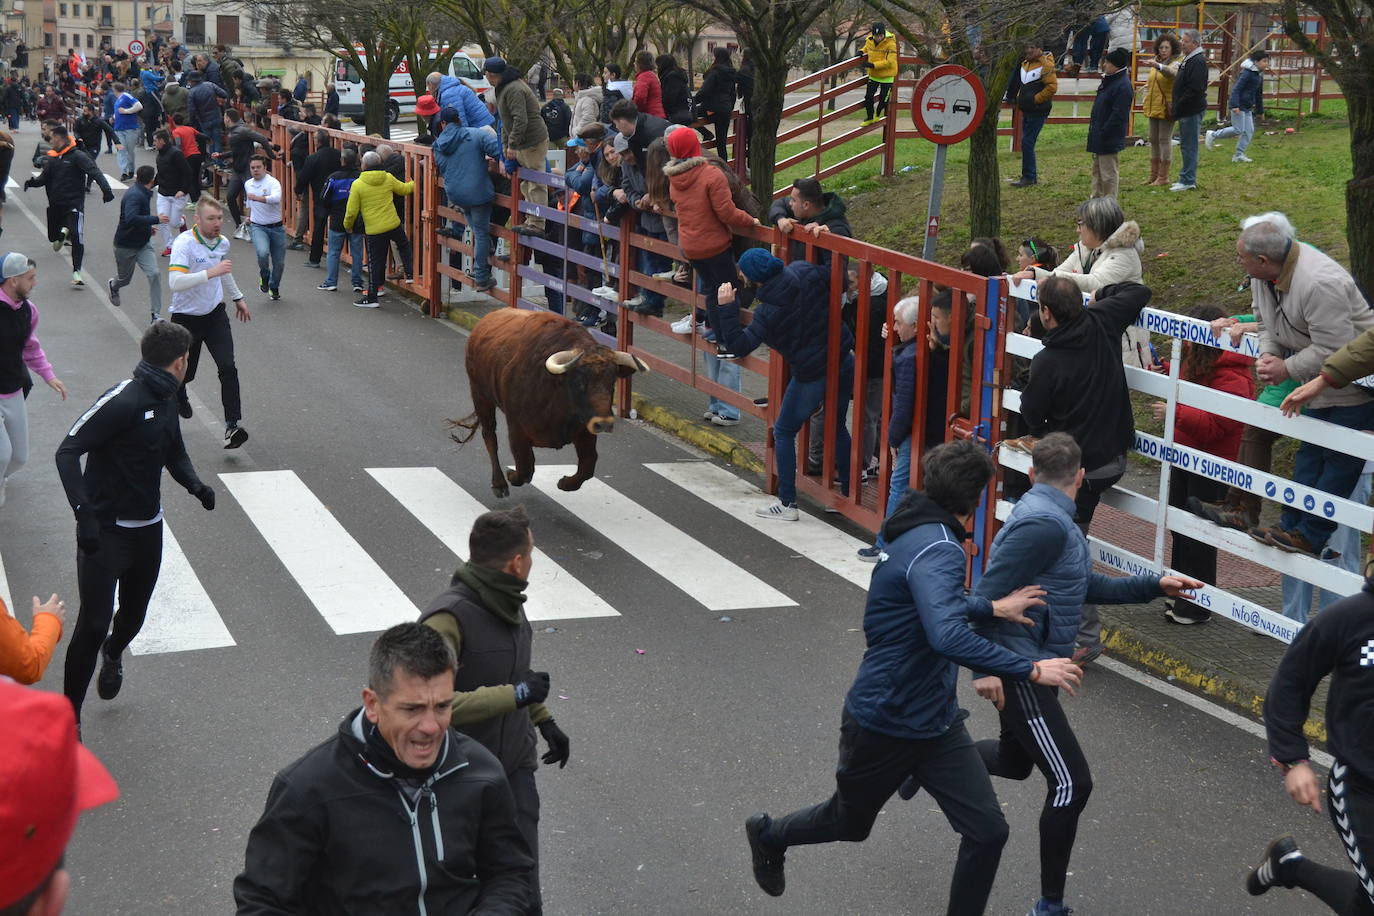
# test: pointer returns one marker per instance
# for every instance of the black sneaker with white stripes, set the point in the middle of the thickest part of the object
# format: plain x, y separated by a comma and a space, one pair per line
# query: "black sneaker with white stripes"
1276, 868
235, 436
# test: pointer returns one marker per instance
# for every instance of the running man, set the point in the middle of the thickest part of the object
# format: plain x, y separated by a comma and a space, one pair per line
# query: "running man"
200, 274
66, 170
20, 352
128, 436
265, 228
133, 240
1040, 544
1339, 641
902, 715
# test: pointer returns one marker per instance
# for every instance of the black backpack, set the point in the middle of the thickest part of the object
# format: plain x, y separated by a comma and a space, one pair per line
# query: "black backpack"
608, 99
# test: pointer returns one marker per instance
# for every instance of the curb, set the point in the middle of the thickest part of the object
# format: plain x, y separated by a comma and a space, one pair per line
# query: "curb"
1124, 644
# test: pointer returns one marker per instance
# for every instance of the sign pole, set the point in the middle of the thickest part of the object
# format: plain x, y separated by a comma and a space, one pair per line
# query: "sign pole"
937, 191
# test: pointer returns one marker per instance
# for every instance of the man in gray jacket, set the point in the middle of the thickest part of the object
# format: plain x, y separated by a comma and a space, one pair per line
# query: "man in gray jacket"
523, 134
1308, 308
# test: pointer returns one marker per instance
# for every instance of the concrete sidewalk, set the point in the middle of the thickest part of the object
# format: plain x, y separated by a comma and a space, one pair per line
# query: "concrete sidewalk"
1223, 660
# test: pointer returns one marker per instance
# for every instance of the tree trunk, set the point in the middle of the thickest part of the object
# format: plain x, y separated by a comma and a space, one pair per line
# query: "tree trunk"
1359, 191
376, 96
770, 79
984, 183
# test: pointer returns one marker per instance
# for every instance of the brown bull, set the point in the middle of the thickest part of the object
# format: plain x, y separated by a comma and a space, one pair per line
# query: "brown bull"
553, 382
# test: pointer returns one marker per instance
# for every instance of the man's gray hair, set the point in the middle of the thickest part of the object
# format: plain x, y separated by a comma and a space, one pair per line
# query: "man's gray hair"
433, 79
1102, 216
371, 160
1056, 459
1280, 220
1265, 240
1192, 35
907, 309
385, 150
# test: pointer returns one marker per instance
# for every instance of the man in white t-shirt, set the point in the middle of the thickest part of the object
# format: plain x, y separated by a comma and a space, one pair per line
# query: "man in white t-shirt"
263, 193
200, 277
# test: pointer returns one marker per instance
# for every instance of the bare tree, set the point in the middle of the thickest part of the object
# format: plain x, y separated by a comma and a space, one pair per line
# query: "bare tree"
838, 29
1349, 57
676, 30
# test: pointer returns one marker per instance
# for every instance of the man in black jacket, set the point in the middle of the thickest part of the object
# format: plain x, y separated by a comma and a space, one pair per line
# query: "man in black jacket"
641, 129
65, 172
1339, 641
398, 812
310, 180
1078, 386
175, 182
1110, 122
128, 436
242, 142
90, 129
499, 701
133, 240
1189, 104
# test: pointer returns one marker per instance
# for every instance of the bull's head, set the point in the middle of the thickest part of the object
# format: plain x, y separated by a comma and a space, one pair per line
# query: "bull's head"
591, 376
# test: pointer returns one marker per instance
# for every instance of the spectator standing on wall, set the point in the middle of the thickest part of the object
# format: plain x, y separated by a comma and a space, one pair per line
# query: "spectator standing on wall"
677, 94
880, 60
715, 100
1031, 89
1110, 121
1246, 97
523, 134
1159, 106
1189, 105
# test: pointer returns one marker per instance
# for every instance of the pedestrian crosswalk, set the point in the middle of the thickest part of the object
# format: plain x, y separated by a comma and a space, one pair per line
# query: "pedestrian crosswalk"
352, 592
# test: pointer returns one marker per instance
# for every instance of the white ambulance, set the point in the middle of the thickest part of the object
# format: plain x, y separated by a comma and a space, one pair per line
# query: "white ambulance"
349, 85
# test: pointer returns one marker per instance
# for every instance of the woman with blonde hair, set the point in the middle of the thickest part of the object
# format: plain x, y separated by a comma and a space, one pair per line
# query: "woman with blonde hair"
1158, 106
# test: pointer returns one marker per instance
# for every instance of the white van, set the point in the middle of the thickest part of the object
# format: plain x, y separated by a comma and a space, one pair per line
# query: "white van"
349, 85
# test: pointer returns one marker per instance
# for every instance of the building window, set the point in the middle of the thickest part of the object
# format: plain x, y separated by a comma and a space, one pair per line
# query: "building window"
90, 40
62, 9
227, 30
272, 30
107, 17
195, 29
47, 39
90, 10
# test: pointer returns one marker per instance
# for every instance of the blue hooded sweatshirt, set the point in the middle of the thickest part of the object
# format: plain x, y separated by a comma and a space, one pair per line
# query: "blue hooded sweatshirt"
461, 155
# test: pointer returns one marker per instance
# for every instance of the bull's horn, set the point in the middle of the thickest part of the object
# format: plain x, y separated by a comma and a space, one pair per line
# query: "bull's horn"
630, 361
562, 360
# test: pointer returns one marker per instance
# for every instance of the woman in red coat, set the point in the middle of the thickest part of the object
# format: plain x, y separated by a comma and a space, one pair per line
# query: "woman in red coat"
648, 95
1213, 433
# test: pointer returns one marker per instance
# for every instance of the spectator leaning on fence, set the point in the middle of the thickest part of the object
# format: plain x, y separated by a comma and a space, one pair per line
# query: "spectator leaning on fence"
523, 135
904, 316
1159, 106
1308, 307
1031, 89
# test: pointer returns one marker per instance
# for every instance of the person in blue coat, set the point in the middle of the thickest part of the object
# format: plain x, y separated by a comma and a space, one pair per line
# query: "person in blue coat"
1110, 121
1247, 99
451, 92
793, 319
902, 716
1040, 544
461, 154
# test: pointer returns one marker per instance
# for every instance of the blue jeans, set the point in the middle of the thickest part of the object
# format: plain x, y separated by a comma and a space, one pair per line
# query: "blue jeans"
1243, 126
129, 139
1187, 147
651, 262
1297, 594
724, 372
213, 132
901, 480
269, 242
478, 218
14, 118
1031, 125
799, 402
355, 249
1326, 470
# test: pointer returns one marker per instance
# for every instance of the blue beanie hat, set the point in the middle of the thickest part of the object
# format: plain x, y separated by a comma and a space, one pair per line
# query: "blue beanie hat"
759, 266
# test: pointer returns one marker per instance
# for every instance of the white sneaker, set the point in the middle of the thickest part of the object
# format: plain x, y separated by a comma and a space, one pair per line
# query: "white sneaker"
1241, 157
76, 279
777, 510
1210, 138
683, 325
634, 303
1180, 186
718, 420
666, 274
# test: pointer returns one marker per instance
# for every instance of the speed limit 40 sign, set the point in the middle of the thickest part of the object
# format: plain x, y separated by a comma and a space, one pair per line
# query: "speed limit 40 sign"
136, 48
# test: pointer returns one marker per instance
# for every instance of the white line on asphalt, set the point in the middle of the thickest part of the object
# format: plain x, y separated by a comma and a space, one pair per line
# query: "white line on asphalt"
448, 511
181, 616
5, 590
345, 584
684, 561
812, 538
1178, 693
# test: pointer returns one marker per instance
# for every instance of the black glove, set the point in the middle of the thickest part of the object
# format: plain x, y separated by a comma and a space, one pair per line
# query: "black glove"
206, 495
559, 745
29, 184
533, 687
868, 65
107, 197
87, 531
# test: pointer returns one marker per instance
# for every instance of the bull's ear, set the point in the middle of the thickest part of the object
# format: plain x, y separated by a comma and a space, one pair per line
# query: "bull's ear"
629, 363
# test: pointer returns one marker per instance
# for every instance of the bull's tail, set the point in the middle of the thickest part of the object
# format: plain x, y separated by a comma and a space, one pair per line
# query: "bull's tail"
469, 426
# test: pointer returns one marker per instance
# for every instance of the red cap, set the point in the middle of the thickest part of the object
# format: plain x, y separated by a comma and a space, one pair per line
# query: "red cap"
49, 778
426, 107
683, 144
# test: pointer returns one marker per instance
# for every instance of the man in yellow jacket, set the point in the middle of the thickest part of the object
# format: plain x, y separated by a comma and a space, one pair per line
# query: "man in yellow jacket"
373, 197
880, 49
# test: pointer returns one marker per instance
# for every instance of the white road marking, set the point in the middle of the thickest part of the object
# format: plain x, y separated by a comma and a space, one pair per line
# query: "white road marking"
340, 578
684, 561
181, 616
811, 537
448, 511
5, 590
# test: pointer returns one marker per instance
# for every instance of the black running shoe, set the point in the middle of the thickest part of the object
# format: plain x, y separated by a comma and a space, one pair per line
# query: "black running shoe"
111, 676
114, 291
184, 408
1281, 856
235, 436
276, 295
767, 862
262, 283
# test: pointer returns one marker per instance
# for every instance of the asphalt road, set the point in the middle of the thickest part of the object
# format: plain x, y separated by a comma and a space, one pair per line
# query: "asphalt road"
708, 688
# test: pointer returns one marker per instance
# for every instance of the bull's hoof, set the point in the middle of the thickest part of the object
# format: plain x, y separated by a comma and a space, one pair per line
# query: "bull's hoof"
513, 476
501, 490
570, 483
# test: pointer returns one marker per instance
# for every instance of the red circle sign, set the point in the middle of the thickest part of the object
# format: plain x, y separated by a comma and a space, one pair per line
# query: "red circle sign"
948, 104
135, 47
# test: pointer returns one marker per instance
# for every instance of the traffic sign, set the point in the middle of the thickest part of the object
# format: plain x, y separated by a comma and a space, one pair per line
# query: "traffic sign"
136, 48
948, 103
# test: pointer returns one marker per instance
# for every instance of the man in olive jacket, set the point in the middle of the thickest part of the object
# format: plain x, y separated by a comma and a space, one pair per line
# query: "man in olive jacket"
498, 700
523, 134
